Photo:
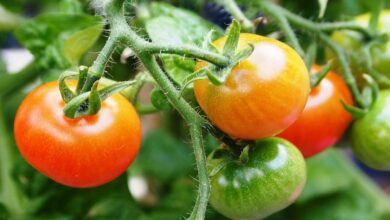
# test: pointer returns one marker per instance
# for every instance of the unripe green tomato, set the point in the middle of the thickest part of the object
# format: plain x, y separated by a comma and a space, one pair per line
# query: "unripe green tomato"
370, 135
265, 179
353, 42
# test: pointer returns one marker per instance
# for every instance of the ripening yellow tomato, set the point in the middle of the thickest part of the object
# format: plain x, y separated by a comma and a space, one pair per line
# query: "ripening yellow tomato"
262, 96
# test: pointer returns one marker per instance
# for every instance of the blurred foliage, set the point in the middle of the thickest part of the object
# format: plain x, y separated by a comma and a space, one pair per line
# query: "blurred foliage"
63, 34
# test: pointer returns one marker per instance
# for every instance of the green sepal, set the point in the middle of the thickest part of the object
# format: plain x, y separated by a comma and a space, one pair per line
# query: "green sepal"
233, 35
354, 111
79, 106
114, 88
219, 76
370, 92
311, 55
315, 79
94, 101
207, 42
66, 93
83, 72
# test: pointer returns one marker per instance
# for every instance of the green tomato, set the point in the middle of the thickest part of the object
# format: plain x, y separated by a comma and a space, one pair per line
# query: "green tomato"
370, 135
354, 43
266, 178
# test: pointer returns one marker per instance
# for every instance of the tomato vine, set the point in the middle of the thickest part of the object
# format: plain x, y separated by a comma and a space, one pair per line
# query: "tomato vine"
146, 51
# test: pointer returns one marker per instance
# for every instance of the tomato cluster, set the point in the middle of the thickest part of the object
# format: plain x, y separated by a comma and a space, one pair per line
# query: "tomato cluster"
265, 95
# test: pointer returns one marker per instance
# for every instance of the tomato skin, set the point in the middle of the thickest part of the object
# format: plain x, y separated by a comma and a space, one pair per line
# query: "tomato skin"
324, 119
270, 179
262, 96
370, 135
83, 152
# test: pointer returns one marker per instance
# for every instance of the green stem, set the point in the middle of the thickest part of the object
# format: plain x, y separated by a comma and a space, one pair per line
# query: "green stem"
200, 207
308, 25
13, 82
285, 26
191, 51
97, 69
232, 7
345, 69
10, 195
193, 119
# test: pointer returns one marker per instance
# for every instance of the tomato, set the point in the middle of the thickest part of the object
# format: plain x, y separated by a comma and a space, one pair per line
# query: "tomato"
324, 119
370, 135
354, 42
83, 152
269, 178
262, 96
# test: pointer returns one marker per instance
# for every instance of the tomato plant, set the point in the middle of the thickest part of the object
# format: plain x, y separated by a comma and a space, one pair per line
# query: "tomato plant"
83, 152
356, 44
370, 137
226, 87
262, 95
323, 107
266, 178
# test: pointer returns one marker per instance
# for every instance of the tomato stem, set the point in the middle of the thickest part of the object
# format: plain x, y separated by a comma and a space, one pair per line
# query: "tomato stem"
123, 31
286, 28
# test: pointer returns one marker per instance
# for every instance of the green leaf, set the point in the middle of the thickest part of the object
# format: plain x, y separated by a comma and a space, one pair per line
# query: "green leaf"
78, 43
324, 176
163, 157
58, 40
170, 25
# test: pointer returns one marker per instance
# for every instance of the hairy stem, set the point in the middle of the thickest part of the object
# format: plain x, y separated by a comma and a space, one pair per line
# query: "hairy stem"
97, 69
193, 119
190, 51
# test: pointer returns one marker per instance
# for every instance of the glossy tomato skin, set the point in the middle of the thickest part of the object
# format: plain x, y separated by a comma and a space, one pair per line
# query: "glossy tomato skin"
83, 152
268, 180
262, 96
324, 119
370, 135
354, 42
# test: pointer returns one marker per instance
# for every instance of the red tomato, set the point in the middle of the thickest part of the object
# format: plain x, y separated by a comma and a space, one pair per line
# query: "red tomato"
324, 119
83, 152
262, 96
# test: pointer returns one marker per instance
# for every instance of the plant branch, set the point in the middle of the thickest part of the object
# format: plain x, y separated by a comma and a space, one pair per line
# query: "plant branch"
345, 69
191, 51
285, 26
311, 26
121, 29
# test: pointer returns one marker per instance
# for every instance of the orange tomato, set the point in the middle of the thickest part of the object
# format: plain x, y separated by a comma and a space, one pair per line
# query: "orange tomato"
324, 119
83, 152
262, 96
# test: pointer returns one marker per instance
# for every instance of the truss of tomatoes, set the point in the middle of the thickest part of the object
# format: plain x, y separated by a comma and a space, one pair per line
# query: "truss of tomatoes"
266, 95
